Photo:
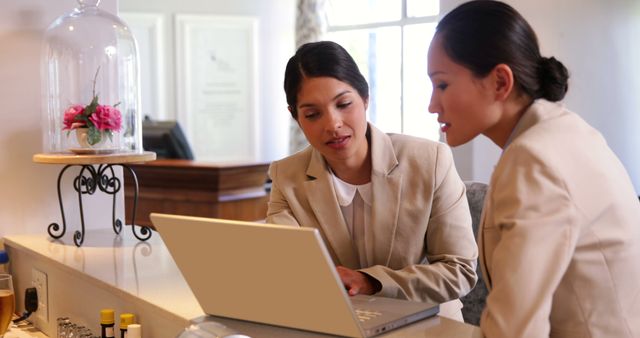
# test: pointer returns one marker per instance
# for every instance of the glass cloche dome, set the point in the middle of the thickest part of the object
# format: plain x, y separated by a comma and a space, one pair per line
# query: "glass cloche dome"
90, 84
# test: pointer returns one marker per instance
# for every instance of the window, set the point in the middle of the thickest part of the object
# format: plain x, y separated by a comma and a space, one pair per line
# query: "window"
389, 40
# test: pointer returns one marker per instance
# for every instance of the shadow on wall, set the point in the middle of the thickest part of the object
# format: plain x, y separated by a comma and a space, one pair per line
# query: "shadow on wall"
26, 188
29, 197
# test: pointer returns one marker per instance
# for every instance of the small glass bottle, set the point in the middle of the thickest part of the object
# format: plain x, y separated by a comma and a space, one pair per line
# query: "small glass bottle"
107, 322
134, 331
125, 320
71, 330
84, 332
79, 331
62, 321
67, 328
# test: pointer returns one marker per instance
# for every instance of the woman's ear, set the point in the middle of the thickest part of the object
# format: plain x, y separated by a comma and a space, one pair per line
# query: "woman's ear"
504, 81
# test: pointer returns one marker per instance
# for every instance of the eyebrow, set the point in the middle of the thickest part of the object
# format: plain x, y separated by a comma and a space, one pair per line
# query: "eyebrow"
304, 105
432, 74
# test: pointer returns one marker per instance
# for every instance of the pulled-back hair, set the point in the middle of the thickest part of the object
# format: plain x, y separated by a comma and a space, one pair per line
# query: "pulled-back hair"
319, 59
484, 33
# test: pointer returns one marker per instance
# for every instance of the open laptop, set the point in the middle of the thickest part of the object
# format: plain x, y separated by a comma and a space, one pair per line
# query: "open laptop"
274, 274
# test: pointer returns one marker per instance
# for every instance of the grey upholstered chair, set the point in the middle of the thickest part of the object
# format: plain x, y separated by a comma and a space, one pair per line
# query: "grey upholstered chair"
474, 301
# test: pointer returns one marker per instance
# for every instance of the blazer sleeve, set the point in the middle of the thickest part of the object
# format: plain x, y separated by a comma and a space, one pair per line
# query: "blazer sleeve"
278, 209
449, 244
531, 238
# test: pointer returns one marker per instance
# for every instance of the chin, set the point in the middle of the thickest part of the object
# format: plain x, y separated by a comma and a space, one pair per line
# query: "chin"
454, 141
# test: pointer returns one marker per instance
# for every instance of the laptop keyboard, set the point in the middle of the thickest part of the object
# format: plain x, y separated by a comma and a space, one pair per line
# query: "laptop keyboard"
364, 315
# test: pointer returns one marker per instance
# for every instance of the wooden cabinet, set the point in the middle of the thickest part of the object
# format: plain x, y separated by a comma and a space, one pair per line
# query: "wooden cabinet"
221, 190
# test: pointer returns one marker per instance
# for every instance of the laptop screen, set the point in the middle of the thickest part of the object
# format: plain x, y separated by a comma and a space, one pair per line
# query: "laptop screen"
272, 274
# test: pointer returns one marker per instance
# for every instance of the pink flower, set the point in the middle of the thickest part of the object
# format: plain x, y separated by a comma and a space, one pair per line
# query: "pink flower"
106, 118
70, 116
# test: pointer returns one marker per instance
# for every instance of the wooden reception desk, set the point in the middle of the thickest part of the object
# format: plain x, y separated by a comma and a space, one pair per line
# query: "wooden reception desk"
220, 190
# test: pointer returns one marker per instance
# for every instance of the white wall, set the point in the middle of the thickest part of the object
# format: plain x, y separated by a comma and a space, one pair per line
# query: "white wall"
599, 45
598, 42
276, 22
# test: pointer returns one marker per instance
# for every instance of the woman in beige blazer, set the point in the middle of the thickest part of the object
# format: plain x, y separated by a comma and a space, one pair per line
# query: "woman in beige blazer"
560, 234
391, 208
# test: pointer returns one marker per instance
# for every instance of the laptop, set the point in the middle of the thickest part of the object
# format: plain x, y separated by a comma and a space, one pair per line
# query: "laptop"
275, 274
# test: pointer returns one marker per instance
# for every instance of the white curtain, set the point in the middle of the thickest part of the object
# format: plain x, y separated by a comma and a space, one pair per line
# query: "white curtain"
311, 25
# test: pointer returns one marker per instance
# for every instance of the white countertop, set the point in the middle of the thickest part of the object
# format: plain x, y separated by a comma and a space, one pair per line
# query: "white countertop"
24, 330
122, 262
144, 272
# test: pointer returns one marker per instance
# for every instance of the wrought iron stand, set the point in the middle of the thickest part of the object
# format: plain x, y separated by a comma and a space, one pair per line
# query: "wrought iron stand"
89, 180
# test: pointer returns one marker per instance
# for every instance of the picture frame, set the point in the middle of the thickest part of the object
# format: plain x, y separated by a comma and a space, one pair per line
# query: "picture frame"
149, 32
216, 84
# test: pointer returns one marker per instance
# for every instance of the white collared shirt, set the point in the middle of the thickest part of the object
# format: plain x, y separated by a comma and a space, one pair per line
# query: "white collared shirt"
355, 203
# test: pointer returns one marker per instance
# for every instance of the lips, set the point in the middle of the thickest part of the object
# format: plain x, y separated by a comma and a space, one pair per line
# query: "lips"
444, 126
338, 142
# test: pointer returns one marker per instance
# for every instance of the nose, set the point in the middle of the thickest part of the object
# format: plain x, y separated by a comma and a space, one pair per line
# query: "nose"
434, 104
333, 121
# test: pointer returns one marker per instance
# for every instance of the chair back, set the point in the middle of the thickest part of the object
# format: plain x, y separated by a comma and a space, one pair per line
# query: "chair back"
473, 303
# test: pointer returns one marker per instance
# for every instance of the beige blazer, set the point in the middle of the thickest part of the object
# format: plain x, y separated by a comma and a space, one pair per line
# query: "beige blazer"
423, 246
560, 236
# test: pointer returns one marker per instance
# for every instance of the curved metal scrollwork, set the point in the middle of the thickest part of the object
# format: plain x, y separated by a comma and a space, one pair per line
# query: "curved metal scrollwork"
145, 232
84, 185
110, 185
78, 237
87, 182
54, 227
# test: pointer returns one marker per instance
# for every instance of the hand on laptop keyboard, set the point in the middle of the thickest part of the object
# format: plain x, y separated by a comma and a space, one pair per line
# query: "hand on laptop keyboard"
357, 282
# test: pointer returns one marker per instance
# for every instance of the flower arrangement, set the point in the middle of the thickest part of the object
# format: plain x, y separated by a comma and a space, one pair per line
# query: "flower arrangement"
99, 119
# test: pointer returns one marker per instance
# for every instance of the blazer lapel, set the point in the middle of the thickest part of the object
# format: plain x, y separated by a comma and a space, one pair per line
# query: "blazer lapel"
387, 187
322, 198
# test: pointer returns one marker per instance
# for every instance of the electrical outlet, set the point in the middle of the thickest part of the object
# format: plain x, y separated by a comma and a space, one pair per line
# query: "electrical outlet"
39, 281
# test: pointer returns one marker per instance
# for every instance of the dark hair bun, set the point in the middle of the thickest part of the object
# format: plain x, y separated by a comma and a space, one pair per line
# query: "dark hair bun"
553, 77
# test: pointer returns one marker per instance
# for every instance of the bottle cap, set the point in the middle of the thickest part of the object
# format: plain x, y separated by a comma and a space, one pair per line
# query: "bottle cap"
107, 316
4, 257
134, 331
126, 319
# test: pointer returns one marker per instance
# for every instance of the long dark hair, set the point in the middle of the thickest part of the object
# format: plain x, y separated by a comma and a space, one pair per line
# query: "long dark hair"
323, 58
484, 33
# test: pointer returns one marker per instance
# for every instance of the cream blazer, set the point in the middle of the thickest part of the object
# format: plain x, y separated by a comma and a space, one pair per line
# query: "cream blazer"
423, 247
560, 235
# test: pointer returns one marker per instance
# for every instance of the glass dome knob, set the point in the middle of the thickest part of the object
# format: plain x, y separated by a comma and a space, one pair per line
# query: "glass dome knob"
88, 3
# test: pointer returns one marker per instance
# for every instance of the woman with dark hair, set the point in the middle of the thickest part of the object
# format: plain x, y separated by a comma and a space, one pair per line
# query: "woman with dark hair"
560, 237
391, 208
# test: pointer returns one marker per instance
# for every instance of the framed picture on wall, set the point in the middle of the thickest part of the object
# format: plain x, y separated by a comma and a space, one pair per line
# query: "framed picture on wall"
149, 31
216, 86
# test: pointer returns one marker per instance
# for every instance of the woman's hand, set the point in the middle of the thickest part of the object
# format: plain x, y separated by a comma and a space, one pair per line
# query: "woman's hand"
357, 282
